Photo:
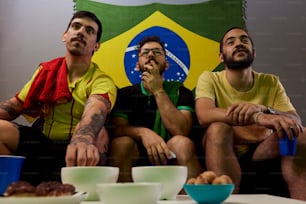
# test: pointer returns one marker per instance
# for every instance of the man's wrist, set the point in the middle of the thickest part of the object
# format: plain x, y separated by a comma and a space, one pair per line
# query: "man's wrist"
255, 117
270, 110
81, 138
158, 92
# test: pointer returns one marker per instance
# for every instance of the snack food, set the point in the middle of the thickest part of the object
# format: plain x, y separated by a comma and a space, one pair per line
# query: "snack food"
210, 177
20, 188
47, 188
54, 188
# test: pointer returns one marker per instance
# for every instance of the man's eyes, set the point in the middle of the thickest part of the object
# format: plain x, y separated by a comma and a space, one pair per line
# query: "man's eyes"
88, 29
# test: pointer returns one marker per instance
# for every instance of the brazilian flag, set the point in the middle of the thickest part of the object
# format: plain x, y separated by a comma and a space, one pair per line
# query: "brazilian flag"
190, 29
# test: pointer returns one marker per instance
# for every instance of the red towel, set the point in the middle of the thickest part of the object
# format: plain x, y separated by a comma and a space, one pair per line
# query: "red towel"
49, 86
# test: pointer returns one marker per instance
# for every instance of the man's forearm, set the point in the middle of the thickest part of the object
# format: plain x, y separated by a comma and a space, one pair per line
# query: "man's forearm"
175, 122
93, 119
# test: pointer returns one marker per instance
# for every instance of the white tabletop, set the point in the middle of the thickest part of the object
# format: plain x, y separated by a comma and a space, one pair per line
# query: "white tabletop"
233, 199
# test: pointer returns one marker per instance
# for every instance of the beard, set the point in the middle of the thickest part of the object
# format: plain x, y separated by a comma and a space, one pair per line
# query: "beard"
244, 63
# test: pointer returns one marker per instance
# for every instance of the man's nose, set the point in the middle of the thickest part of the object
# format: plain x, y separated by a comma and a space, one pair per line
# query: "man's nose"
80, 34
151, 53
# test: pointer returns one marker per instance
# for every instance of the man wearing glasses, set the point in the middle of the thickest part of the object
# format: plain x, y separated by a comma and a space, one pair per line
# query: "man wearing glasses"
152, 119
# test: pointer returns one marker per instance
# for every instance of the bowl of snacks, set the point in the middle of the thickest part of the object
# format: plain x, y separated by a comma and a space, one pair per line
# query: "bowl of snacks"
209, 188
172, 177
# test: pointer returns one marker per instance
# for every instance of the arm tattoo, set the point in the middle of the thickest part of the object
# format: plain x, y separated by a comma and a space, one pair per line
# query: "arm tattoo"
97, 119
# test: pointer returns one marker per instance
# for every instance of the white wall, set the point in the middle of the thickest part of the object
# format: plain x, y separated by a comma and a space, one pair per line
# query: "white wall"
31, 32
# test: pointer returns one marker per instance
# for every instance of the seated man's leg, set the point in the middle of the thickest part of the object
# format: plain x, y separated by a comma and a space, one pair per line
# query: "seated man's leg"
44, 158
123, 151
9, 137
294, 170
185, 152
220, 156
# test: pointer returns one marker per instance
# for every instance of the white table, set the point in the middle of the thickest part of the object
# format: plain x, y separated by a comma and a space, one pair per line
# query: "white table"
233, 199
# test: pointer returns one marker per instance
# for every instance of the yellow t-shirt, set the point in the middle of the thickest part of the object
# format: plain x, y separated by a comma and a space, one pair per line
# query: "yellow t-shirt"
267, 90
61, 118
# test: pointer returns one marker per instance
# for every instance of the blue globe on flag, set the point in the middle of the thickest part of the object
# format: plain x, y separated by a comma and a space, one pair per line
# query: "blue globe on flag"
177, 53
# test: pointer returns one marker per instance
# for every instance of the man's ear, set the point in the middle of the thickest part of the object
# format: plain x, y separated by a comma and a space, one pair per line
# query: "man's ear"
167, 65
221, 57
64, 37
97, 46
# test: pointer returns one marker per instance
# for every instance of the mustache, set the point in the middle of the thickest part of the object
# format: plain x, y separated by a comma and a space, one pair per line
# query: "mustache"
79, 39
240, 48
149, 60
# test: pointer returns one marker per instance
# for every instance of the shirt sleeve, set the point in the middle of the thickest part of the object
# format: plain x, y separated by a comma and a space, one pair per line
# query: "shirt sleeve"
185, 100
22, 94
205, 87
104, 84
282, 101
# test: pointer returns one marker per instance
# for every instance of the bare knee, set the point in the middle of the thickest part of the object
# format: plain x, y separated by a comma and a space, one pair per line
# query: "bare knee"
182, 145
9, 136
219, 133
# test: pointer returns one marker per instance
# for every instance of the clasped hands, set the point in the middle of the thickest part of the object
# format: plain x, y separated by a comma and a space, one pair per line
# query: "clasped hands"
248, 113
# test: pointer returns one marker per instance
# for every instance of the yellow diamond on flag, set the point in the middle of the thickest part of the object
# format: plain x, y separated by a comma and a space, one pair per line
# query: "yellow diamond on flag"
203, 51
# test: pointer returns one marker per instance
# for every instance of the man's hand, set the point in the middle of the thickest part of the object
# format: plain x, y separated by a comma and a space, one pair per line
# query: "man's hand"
157, 149
152, 80
279, 123
241, 113
82, 152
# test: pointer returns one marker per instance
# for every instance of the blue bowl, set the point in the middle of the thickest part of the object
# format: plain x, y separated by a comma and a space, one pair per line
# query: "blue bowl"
209, 193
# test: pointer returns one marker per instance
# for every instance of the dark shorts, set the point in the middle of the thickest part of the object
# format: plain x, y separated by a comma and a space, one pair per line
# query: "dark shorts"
144, 159
246, 160
44, 158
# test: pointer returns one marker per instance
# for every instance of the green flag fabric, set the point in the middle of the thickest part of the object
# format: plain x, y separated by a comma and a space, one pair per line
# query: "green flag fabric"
191, 33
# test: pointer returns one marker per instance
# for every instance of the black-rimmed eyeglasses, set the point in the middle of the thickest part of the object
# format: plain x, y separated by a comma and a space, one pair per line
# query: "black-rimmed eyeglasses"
156, 52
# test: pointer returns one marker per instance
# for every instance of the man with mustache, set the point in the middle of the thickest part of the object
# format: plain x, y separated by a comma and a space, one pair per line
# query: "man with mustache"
70, 97
152, 119
245, 113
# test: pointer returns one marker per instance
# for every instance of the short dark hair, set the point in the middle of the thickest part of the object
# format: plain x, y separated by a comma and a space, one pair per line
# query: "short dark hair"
150, 39
92, 16
233, 28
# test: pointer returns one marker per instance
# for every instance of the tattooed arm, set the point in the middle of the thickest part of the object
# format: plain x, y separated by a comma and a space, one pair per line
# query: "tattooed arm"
10, 109
82, 150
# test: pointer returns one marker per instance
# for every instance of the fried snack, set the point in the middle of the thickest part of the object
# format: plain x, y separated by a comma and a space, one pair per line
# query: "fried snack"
209, 176
191, 181
20, 189
200, 180
54, 188
223, 179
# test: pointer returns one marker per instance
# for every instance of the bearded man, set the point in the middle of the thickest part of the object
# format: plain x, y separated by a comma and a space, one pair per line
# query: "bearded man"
152, 119
245, 113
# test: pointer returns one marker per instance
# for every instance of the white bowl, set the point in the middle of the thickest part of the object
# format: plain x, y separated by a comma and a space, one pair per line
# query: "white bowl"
85, 178
129, 193
172, 178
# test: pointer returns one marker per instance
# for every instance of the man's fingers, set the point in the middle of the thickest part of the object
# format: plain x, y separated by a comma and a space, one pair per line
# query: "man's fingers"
81, 154
70, 155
